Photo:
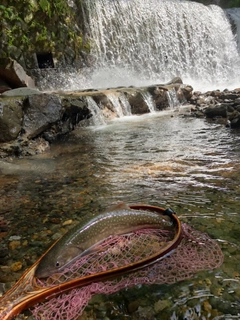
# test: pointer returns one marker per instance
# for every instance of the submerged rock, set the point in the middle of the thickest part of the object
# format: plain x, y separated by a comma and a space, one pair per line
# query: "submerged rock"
138, 103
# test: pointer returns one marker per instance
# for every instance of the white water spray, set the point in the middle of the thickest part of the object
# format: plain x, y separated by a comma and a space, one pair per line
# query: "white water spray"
116, 104
120, 104
97, 116
156, 40
147, 97
172, 99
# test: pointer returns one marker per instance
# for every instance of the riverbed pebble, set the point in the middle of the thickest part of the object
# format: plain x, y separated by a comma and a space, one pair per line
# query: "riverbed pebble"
161, 305
14, 244
16, 266
67, 222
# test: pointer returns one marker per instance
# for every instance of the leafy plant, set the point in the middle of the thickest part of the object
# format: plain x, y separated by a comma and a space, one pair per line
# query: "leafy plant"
46, 7
234, 3
37, 25
6, 12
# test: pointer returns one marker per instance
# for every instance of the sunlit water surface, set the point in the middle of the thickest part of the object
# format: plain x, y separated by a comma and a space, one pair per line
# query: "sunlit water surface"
162, 159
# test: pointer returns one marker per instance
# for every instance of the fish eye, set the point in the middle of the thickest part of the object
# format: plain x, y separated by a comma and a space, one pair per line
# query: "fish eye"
57, 264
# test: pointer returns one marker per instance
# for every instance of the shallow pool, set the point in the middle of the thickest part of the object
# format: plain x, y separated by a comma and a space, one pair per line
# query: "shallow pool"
160, 159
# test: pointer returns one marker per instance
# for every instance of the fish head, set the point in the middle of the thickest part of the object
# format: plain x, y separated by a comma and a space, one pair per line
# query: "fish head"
53, 262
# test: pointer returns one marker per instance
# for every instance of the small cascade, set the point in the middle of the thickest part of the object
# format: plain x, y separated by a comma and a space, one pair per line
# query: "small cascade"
97, 116
120, 104
125, 105
149, 101
116, 104
172, 99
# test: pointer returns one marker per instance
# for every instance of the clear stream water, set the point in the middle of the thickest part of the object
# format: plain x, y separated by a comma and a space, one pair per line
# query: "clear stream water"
161, 159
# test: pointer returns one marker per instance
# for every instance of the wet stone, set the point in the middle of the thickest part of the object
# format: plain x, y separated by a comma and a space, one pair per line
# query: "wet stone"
14, 244
207, 306
16, 266
55, 220
67, 222
56, 236
133, 306
14, 238
161, 305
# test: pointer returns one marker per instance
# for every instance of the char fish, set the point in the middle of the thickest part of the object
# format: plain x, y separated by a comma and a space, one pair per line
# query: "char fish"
85, 236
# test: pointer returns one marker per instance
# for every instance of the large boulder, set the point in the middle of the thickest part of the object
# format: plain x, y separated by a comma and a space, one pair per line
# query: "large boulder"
13, 75
10, 120
138, 102
40, 112
75, 111
216, 111
159, 96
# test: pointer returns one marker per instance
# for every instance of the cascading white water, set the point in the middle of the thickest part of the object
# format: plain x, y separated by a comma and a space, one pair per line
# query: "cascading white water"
147, 97
116, 104
145, 41
125, 105
172, 98
97, 116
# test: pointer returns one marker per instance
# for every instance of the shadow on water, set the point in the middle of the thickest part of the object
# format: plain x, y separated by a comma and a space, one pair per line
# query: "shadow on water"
187, 164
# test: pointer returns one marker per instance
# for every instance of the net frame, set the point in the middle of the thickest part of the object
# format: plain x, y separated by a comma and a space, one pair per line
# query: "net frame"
27, 292
196, 252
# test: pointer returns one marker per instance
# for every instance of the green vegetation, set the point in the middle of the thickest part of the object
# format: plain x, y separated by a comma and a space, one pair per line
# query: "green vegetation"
38, 25
233, 3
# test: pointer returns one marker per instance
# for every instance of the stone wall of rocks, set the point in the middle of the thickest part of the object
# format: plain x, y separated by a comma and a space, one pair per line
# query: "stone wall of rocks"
218, 106
30, 120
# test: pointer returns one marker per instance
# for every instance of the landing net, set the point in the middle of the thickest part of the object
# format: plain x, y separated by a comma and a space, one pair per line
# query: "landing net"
196, 252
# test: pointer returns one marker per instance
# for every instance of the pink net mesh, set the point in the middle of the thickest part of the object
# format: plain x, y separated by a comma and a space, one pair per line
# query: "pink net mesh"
196, 252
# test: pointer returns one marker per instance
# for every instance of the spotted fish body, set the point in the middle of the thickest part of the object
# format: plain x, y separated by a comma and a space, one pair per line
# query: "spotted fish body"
85, 236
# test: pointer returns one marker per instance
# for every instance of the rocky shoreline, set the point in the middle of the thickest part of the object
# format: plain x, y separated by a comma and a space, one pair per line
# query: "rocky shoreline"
218, 106
31, 120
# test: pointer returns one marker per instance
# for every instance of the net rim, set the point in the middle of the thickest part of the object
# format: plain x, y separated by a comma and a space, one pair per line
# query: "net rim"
108, 274
34, 293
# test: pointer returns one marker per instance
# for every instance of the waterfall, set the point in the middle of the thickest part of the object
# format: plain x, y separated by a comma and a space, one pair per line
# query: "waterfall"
138, 42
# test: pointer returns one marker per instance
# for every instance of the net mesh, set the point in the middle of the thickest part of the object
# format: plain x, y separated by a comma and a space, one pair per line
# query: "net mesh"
196, 252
